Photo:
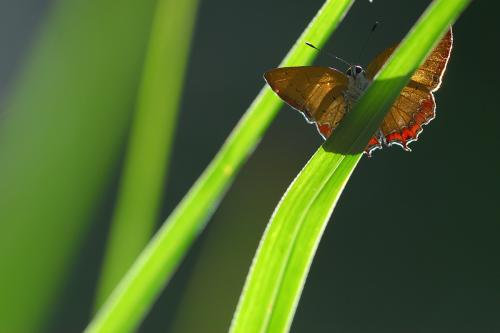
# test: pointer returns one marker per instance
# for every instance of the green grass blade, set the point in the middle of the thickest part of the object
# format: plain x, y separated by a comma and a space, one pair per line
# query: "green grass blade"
61, 132
150, 140
281, 264
156, 264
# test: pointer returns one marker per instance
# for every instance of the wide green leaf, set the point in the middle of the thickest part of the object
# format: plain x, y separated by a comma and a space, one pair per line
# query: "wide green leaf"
281, 264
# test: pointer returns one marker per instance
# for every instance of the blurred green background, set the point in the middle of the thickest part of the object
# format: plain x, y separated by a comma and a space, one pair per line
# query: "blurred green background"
414, 245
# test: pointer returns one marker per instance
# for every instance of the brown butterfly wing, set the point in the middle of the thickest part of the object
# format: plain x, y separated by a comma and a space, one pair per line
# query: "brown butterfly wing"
317, 92
415, 106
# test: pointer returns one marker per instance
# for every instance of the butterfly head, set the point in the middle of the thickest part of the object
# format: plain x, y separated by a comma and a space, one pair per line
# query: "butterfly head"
355, 71
358, 82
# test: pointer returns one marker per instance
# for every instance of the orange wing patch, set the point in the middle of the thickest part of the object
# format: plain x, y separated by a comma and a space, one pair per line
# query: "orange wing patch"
412, 109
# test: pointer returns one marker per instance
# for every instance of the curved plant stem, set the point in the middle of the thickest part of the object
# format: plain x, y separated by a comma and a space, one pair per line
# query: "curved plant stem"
281, 264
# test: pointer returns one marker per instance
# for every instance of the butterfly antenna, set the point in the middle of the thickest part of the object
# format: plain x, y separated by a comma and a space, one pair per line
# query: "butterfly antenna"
365, 44
330, 54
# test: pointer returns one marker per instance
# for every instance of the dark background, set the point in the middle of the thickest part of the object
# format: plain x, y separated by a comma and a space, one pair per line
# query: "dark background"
414, 246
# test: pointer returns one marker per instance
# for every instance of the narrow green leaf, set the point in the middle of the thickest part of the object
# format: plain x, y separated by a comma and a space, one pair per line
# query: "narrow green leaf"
150, 140
136, 292
281, 264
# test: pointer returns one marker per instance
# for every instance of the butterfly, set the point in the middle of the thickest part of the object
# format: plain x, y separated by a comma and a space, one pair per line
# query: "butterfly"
325, 95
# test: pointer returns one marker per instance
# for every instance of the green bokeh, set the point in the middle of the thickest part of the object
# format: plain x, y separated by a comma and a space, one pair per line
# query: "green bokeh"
61, 133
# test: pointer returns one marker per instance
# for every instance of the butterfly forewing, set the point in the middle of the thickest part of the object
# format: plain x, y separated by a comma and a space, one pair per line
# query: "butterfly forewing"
374, 67
431, 72
315, 91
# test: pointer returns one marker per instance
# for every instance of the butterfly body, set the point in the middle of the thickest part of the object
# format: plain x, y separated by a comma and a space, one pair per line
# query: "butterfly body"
325, 95
358, 83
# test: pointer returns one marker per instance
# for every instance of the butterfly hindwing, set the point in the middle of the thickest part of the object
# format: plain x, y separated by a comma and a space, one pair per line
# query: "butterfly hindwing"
415, 106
